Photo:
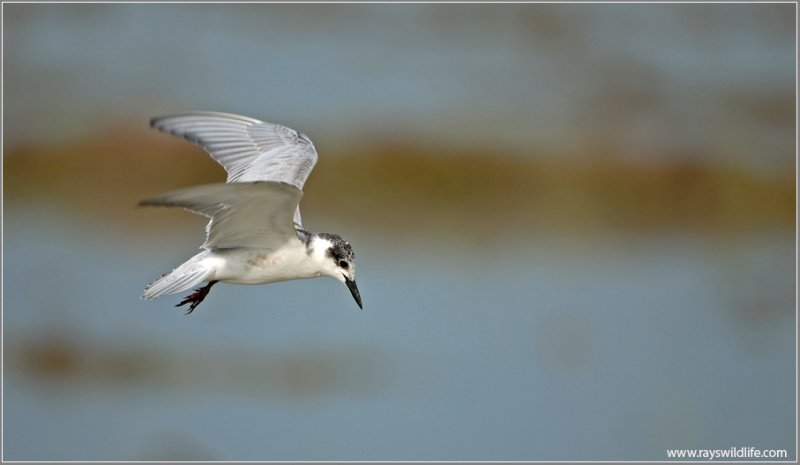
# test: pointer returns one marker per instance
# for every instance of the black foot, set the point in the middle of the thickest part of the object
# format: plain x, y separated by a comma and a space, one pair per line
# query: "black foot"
196, 297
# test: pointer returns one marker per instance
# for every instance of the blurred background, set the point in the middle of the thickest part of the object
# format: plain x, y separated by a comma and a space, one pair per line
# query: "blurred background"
574, 227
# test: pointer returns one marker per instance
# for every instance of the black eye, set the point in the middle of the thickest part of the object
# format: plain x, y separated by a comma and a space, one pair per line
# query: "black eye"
343, 264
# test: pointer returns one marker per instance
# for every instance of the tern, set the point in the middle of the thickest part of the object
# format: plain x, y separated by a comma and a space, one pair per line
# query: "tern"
255, 234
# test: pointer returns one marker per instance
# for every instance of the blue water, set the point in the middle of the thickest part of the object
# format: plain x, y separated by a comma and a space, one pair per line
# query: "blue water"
715, 81
557, 351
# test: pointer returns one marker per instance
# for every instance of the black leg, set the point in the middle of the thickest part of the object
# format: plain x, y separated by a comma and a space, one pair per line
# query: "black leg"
196, 297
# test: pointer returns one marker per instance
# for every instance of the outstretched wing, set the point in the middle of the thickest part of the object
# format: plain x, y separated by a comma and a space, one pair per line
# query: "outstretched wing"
249, 149
252, 214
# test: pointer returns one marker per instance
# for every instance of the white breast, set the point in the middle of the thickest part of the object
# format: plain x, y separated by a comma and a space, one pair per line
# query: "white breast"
249, 266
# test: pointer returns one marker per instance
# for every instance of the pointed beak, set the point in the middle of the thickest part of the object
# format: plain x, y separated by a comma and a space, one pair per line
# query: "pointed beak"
351, 284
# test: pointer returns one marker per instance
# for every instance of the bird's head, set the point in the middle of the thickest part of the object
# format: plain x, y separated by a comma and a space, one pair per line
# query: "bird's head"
336, 259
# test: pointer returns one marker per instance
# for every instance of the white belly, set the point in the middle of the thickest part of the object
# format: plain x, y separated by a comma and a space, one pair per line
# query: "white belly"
249, 266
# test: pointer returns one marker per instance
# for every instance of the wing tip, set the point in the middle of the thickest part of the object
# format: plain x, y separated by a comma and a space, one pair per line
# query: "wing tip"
152, 202
154, 121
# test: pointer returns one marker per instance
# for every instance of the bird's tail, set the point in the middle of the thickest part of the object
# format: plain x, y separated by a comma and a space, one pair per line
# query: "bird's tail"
193, 272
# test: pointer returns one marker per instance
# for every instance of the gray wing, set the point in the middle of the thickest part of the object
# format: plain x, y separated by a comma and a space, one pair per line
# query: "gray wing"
249, 149
253, 214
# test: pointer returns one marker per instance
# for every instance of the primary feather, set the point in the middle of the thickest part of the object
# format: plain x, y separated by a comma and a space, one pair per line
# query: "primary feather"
249, 149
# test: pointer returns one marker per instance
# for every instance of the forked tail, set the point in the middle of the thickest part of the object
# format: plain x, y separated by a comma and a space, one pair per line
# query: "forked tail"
193, 272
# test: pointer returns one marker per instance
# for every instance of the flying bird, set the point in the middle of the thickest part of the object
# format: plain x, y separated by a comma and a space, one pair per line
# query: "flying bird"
255, 233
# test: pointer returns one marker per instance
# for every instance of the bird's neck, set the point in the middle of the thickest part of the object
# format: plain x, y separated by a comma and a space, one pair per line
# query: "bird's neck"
306, 237
316, 245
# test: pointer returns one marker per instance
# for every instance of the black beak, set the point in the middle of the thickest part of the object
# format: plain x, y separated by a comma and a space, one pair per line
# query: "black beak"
351, 284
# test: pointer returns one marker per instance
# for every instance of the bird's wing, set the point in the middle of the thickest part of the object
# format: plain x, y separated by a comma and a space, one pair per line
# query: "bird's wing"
252, 214
249, 149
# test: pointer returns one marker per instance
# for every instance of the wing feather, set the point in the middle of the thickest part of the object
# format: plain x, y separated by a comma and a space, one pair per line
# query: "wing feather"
250, 150
252, 214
